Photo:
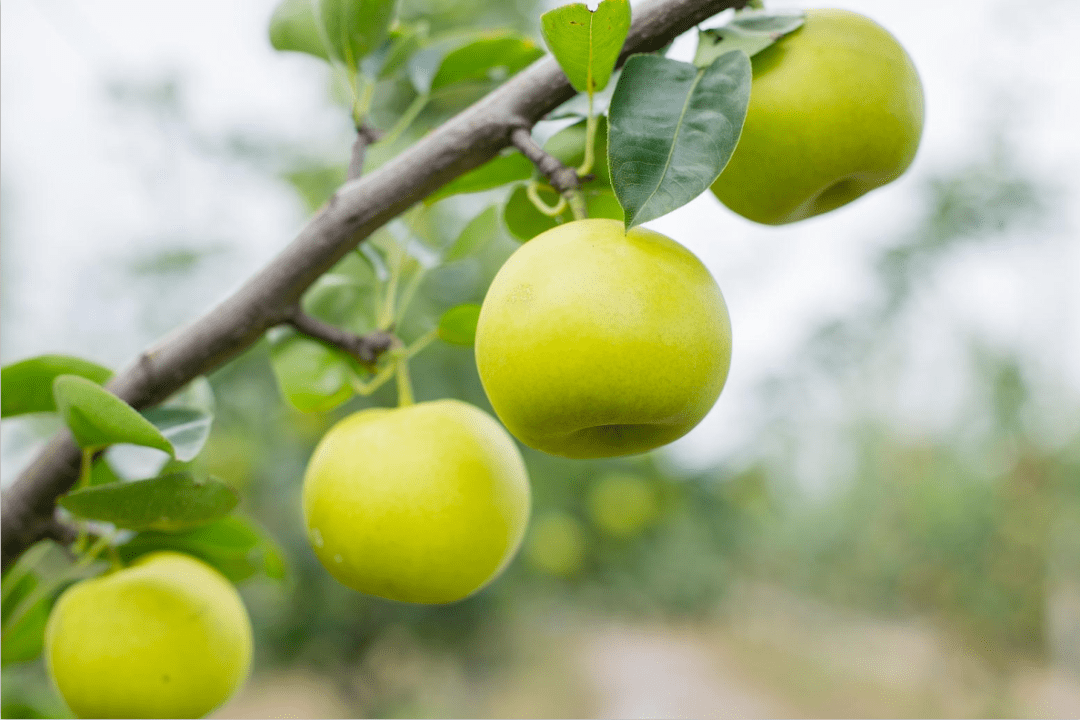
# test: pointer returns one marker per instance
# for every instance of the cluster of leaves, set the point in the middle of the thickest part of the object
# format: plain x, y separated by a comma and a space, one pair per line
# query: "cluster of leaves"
140, 488
635, 166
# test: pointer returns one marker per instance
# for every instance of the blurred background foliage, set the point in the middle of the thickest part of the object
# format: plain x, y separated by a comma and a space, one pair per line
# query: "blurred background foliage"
842, 513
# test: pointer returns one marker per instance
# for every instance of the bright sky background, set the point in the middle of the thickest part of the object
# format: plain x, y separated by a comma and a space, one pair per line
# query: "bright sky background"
75, 203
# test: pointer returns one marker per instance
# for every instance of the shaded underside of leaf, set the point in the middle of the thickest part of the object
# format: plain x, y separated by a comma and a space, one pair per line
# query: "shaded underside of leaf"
168, 503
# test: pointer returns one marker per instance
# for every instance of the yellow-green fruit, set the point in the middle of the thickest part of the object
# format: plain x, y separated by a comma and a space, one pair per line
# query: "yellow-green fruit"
556, 545
836, 110
166, 637
623, 505
425, 503
593, 342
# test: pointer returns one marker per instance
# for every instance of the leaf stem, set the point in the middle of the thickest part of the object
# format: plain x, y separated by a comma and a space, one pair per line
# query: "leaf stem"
404, 383
406, 119
531, 190
590, 141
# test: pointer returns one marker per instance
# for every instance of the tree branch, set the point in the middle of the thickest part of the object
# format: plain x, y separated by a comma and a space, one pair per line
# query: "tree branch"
356, 210
562, 177
365, 135
365, 348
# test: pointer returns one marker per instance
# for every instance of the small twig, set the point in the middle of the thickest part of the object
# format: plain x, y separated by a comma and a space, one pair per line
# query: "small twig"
365, 348
365, 135
563, 179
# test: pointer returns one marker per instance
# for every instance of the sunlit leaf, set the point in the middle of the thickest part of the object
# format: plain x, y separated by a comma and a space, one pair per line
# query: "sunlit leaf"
490, 56
312, 377
28, 384
294, 26
587, 43
458, 324
500, 171
98, 418
356, 27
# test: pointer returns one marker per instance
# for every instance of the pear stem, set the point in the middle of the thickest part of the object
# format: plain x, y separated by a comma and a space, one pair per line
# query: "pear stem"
404, 383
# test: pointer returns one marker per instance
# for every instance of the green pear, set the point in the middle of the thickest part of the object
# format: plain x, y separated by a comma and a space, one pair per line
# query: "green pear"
595, 342
836, 110
166, 637
425, 503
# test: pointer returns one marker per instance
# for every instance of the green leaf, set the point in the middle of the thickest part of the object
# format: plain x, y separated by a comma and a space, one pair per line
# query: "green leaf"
526, 222
24, 640
489, 59
457, 326
315, 183
28, 384
402, 42
356, 27
295, 27
478, 233
568, 145
489, 56
672, 128
749, 32
587, 43
494, 173
345, 296
311, 376
98, 418
185, 428
102, 473
234, 545
168, 503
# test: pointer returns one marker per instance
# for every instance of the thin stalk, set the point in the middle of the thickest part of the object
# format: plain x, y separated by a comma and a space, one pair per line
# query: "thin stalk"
406, 119
590, 141
404, 384
534, 197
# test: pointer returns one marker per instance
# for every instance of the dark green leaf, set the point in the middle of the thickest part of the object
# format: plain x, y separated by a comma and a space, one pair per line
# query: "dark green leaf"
294, 26
234, 545
479, 232
526, 222
23, 641
312, 376
495, 173
587, 43
98, 418
672, 128
749, 32
458, 324
168, 503
28, 384
356, 27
